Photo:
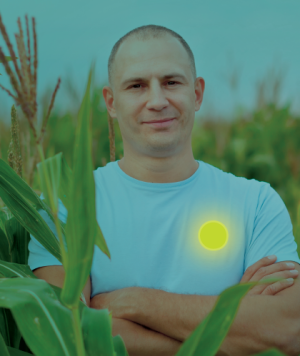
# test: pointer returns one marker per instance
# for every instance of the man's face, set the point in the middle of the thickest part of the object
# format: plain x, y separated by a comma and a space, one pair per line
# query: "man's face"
154, 97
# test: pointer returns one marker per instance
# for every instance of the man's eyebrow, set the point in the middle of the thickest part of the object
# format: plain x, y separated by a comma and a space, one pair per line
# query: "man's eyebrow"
139, 79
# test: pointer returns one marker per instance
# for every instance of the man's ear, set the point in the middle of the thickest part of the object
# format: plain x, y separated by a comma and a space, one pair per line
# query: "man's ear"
199, 91
109, 101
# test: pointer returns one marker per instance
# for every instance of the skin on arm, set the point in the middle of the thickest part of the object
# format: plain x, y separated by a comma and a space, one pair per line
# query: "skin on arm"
262, 321
56, 275
141, 341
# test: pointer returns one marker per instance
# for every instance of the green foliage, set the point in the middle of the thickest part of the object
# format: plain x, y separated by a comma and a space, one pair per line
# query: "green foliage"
22, 202
53, 326
50, 317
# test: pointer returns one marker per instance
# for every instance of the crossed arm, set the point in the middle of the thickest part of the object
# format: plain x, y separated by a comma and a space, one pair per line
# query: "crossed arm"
141, 341
262, 321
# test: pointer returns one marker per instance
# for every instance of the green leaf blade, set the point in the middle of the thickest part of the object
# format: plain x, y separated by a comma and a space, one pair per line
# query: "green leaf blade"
22, 202
81, 221
97, 332
44, 322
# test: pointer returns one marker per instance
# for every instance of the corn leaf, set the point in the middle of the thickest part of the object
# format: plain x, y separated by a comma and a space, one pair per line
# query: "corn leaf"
8, 329
60, 176
5, 214
16, 352
52, 168
23, 203
119, 346
3, 347
65, 181
16, 270
45, 324
270, 352
81, 222
18, 237
64, 193
14, 239
6, 244
97, 332
95, 323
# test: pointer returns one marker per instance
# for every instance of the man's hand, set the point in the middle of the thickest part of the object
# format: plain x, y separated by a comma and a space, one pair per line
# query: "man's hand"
119, 302
265, 269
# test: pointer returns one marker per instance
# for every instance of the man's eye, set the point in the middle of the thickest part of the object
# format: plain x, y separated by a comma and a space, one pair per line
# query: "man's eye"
171, 81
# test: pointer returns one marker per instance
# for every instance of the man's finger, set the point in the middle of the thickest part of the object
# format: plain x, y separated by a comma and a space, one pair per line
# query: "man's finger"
250, 271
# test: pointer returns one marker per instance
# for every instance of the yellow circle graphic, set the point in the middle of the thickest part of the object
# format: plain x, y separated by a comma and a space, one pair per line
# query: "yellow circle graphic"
213, 235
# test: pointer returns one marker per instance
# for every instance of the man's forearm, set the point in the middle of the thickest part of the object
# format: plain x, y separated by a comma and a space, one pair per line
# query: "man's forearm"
255, 327
140, 341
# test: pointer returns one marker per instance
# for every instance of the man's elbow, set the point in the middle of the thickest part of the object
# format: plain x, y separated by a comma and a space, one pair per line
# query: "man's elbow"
292, 347
288, 340
85, 299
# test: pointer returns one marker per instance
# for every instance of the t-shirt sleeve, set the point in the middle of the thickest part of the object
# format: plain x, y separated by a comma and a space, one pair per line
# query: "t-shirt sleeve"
272, 230
39, 256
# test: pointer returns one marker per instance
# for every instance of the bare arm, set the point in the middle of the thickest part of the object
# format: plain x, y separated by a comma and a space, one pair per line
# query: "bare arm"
140, 341
261, 322
56, 275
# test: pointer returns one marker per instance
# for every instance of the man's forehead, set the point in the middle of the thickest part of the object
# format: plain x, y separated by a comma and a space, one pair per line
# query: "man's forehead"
135, 56
136, 44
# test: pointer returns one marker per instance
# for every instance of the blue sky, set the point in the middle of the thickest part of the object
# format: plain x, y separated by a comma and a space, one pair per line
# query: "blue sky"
251, 37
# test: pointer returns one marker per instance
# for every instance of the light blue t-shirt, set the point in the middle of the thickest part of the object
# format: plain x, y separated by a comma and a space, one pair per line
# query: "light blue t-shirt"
151, 230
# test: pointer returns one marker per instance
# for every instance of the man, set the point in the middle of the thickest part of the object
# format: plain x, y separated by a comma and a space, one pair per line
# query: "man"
176, 226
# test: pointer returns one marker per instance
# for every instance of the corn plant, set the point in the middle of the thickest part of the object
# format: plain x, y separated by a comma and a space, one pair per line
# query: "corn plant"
51, 320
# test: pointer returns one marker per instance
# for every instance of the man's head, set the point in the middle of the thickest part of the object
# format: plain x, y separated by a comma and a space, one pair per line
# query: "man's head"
145, 33
152, 52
